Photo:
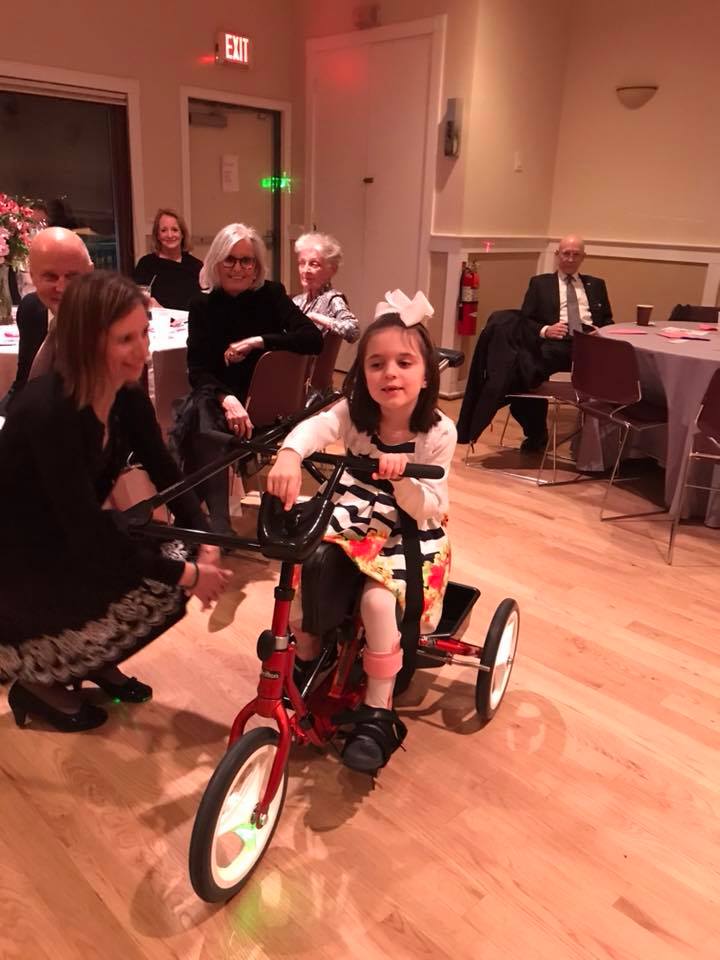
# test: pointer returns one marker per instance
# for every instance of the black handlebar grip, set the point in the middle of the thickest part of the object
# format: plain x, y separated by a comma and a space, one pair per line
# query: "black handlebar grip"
424, 471
415, 471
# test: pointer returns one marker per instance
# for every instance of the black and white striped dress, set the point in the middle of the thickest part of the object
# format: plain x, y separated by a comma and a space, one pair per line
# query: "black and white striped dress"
393, 531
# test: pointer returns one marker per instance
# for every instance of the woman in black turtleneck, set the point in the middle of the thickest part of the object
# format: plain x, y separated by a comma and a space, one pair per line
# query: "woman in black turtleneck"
229, 329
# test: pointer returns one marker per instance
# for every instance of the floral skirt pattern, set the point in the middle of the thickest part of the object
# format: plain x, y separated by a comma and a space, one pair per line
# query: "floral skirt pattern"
366, 525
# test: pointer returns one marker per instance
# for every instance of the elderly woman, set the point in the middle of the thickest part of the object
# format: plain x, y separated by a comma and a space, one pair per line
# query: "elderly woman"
170, 272
229, 328
77, 594
319, 256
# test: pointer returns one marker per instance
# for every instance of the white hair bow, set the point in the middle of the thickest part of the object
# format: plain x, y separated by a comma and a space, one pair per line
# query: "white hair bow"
410, 311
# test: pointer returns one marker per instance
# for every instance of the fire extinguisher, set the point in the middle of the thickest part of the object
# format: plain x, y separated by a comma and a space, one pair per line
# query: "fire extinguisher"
467, 307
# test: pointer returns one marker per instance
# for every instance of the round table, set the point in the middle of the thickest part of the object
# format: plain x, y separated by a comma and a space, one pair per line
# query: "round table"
8, 356
167, 365
676, 372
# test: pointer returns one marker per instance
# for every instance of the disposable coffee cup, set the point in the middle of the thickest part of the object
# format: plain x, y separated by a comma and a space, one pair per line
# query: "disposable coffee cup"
643, 313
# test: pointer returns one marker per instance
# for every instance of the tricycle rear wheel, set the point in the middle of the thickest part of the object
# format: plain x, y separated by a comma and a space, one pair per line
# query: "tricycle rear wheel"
499, 655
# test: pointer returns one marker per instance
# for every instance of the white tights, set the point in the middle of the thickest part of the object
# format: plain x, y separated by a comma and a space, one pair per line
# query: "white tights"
382, 657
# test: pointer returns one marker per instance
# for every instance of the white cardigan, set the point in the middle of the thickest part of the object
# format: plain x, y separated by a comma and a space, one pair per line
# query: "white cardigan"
425, 500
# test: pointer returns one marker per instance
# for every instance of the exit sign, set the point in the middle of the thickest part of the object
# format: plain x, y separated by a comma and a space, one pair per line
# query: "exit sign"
232, 48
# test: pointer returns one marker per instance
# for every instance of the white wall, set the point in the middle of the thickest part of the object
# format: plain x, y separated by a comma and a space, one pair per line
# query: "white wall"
649, 174
164, 44
517, 86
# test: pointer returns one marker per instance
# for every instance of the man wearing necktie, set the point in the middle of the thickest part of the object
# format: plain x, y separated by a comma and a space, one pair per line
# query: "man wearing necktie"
558, 304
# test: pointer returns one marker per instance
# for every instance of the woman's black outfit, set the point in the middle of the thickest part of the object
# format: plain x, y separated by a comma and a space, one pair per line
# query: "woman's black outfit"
76, 592
216, 320
174, 283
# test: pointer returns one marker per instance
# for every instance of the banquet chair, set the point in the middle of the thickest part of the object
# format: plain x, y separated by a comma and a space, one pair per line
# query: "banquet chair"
691, 314
278, 388
607, 382
559, 392
321, 378
705, 445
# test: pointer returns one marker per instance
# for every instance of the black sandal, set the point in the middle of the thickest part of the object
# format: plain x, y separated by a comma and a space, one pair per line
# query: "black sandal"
376, 735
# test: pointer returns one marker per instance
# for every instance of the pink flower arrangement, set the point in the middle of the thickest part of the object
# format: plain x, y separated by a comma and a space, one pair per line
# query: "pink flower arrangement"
17, 225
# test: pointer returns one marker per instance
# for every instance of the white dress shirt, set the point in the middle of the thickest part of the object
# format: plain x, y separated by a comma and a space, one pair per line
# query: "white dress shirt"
585, 315
583, 305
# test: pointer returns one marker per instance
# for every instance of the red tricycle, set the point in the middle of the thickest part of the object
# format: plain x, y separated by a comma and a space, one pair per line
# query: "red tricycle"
243, 801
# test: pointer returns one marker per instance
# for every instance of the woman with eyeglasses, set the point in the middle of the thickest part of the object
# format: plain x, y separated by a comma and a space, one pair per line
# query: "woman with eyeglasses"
242, 315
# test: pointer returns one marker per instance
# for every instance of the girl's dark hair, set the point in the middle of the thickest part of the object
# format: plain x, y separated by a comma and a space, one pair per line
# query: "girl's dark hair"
90, 305
364, 411
185, 236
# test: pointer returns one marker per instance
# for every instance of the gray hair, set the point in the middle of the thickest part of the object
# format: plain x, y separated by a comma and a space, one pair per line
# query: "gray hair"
220, 248
326, 245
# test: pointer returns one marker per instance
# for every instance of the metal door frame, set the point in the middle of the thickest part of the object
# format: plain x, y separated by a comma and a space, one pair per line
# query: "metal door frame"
281, 112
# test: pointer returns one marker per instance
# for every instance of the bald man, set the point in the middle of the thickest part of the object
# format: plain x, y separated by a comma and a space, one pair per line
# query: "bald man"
56, 256
557, 304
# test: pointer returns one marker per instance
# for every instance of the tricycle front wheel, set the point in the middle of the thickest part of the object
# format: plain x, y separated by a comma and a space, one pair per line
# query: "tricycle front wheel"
227, 842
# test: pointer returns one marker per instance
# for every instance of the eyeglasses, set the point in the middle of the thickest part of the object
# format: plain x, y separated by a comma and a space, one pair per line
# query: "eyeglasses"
247, 263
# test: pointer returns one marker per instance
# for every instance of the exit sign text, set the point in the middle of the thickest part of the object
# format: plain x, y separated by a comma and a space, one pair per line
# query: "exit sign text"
231, 48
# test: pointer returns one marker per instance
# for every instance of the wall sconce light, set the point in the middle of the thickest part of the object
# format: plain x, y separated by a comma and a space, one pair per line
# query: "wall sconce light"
634, 97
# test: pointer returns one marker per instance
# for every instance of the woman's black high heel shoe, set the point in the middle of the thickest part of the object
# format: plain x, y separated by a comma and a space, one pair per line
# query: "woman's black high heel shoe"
22, 703
131, 690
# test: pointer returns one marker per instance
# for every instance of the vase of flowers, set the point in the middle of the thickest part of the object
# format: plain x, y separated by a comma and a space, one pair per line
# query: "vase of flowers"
16, 227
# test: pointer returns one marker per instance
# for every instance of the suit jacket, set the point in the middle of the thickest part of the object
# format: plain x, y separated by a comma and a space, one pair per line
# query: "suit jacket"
32, 321
506, 359
542, 300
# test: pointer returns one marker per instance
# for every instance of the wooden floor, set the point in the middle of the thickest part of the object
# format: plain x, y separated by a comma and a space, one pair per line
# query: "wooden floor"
581, 823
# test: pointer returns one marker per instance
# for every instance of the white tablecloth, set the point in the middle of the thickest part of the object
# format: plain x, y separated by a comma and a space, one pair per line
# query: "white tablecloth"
167, 369
676, 372
8, 355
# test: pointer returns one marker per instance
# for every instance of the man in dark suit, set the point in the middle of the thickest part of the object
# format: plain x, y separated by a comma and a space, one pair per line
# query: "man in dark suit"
558, 304
56, 256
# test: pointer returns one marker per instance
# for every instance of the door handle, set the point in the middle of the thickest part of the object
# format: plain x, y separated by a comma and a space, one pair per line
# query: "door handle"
368, 179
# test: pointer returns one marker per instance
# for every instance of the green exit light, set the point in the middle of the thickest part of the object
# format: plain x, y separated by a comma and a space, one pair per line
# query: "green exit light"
277, 183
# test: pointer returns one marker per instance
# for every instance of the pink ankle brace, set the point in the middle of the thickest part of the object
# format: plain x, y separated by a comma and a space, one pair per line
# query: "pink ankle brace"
382, 666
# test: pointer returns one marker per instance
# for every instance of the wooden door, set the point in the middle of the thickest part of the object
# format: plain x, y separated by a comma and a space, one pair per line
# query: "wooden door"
368, 132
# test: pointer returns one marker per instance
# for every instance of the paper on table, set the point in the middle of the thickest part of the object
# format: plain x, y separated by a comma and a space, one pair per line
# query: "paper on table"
710, 327
681, 333
634, 330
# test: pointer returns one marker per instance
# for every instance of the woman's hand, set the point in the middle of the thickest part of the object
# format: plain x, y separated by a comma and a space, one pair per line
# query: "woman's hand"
210, 584
285, 477
236, 417
207, 553
391, 466
241, 348
320, 320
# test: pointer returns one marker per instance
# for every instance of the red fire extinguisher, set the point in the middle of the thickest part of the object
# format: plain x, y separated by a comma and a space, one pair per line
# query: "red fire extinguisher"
467, 307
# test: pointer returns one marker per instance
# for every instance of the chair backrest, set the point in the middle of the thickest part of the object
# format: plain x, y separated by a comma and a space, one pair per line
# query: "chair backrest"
605, 369
322, 374
708, 420
278, 386
691, 314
